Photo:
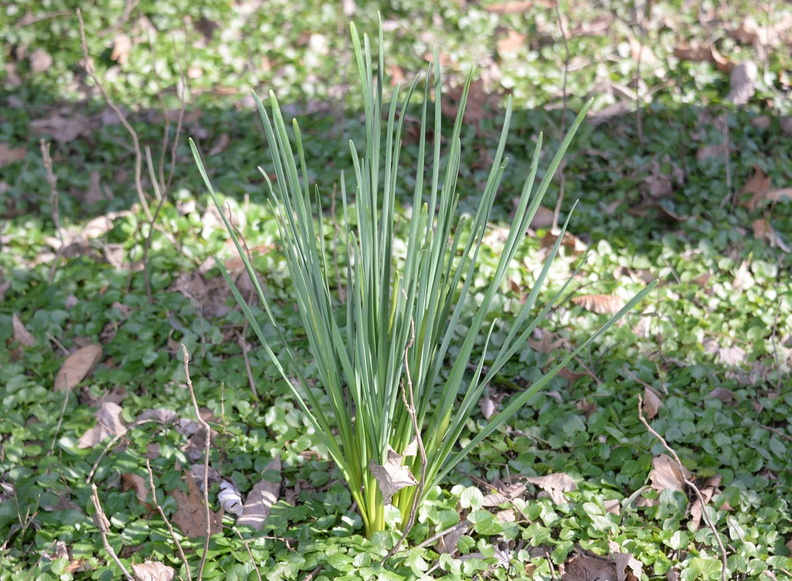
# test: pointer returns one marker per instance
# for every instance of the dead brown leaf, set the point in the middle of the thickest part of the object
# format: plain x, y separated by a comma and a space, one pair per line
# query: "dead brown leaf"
517, 7
548, 342
511, 43
122, 44
741, 83
555, 485
587, 567
108, 423
152, 571
569, 375
651, 403
62, 129
260, 499
764, 231
708, 489
504, 495
706, 152
8, 155
723, 394
778, 195
190, 515
703, 53
136, 483
94, 193
757, 185
543, 218
641, 52
570, 241
40, 61
77, 366
479, 102
666, 475
21, 334
392, 476
600, 304
618, 109
397, 75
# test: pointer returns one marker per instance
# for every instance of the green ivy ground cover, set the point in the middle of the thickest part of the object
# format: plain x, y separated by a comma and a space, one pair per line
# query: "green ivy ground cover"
659, 198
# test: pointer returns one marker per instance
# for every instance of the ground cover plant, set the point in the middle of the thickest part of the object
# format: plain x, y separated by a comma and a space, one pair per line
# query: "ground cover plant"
681, 170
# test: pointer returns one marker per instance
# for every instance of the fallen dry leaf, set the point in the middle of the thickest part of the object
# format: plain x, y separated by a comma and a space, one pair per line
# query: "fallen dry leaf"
570, 241
511, 43
703, 53
8, 155
600, 304
40, 61
152, 571
651, 403
741, 83
190, 515
21, 334
122, 44
588, 567
757, 185
392, 476
517, 7
555, 485
478, 103
543, 218
548, 342
640, 51
62, 129
764, 231
504, 495
618, 109
108, 423
666, 475
77, 366
710, 152
260, 499
723, 394
707, 490
94, 193
628, 568
136, 483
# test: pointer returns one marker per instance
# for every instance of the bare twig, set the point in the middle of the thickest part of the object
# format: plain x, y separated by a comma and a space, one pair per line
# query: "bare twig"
183, 100
565, 73
101, 522
52, 180
246, 542
246, 359
724, 556
60, 420
175, 538
314, 573
205, 426
408, 397
133, 134
638, 99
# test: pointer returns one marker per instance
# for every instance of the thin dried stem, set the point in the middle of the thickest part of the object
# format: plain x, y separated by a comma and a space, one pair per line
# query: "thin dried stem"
167, 522
408, 397
205, 426
710, 524
101, 522
52, 180
133, 134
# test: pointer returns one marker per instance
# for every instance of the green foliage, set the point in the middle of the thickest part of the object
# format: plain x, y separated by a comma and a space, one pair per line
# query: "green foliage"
380, 355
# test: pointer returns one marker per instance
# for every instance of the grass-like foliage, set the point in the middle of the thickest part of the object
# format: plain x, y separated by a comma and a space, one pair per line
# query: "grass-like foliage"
389, 410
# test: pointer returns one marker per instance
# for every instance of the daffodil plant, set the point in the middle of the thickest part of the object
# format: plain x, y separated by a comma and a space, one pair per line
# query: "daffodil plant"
387, 407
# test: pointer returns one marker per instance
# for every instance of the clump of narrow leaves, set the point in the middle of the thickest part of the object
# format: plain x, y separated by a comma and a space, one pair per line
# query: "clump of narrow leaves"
389, 411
